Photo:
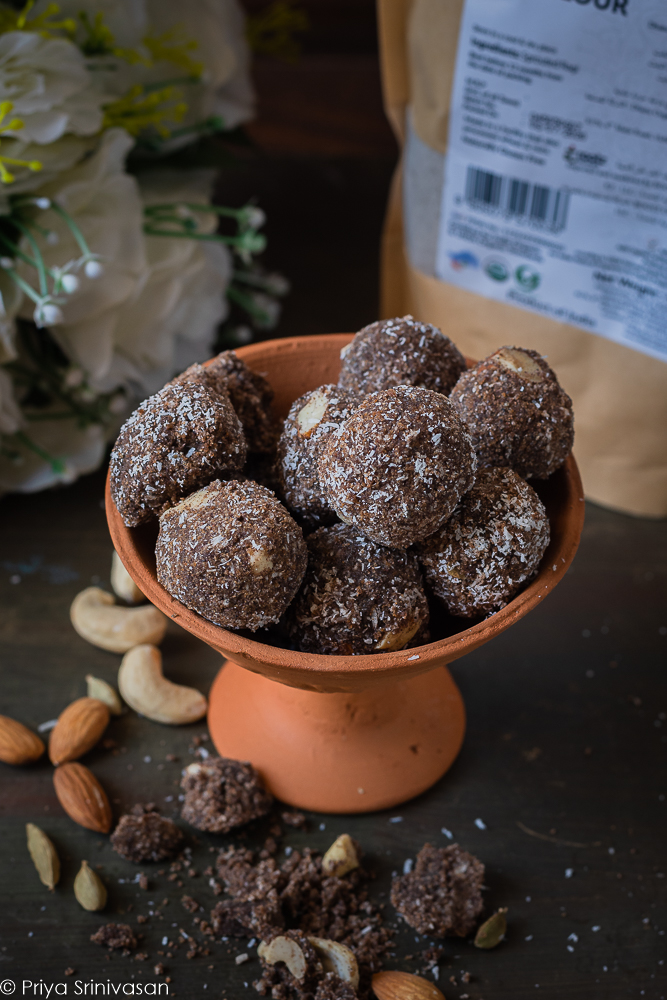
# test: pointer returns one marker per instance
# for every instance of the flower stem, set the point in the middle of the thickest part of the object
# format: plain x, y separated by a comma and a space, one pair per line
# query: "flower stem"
39, 260
232, 241
23, 285
74, 229
56, 464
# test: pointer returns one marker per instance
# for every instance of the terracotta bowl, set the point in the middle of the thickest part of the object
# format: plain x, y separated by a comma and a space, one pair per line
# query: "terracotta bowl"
345, 733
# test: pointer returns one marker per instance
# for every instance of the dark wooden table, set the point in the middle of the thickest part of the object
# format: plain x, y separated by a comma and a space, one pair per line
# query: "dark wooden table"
564, 759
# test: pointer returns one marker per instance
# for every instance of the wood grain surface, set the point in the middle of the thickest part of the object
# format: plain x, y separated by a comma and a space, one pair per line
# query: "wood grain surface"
563, 762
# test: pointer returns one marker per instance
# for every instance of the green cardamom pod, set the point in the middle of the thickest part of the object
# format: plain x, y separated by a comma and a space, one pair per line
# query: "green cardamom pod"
492, 930
89, 888
44, 855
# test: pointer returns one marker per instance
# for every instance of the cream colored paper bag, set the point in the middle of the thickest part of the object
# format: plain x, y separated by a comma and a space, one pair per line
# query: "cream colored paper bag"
619, 394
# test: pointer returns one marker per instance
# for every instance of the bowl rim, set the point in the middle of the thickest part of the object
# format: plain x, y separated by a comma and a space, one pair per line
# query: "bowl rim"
561, 552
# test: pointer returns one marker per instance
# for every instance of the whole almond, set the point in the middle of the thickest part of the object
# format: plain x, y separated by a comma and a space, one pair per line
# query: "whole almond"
403, 986
82, 797
78, 729
44, 856
18, 744
89, 889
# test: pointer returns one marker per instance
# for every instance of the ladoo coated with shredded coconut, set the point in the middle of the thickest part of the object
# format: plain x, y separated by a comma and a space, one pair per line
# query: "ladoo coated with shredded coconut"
399, 465
517, 413
176, 441
492, 543
221, 794
400, 351
250, 395
310, 421
232, 553
443, 895
357, 596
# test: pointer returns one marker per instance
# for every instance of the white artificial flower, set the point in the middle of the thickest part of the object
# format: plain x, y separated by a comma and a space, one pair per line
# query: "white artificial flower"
217, 26
171, 319
10, 414
157, 303
105, 204
49, 87
55, 159
77, 450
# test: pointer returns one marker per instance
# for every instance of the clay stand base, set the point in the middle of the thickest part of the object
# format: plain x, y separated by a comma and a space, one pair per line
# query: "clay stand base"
339, 753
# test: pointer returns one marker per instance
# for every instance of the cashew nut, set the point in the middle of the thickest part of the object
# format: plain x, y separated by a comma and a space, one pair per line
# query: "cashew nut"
398, 640
519, 362
284, 949
122, 583
310, 416
146, 690
97, 688
338, 958
100, 621
341, 857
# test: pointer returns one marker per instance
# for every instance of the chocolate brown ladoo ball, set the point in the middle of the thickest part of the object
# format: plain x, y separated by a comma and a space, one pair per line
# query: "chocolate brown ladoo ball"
493, 542
443, 895
250, 395
400, 351
221, 794
398, 466
357, 597
232, 553
517, 413
146, 836
176, 441
309, 423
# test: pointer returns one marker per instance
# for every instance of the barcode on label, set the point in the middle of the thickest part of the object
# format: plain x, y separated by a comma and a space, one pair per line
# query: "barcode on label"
518, 200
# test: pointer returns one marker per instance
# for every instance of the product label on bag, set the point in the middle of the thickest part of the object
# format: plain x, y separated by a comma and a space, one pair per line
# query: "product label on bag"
555, 194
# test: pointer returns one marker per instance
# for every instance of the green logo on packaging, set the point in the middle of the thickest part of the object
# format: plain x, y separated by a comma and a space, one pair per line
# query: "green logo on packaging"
497, 270
527, 278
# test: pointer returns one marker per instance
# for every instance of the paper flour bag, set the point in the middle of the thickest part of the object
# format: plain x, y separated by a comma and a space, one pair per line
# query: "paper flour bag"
530, 207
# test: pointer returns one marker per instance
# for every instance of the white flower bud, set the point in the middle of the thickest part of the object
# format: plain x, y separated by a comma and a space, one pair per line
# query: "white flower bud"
52, 238
48, 314
255, 217
69, 283
6, 262
42, 202
69, 473
93, 269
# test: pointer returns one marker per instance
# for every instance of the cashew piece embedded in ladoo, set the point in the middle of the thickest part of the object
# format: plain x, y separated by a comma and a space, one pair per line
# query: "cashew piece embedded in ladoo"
145, 688
122, 583
99, 620
338, 958
284, 949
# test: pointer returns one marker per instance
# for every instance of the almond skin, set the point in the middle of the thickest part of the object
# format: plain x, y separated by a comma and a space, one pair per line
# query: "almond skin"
395, 985
18, 744
78, 729
82, 797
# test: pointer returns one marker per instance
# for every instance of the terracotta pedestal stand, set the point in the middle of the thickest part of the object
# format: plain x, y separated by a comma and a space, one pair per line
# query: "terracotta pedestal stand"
343, 734
340, 752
